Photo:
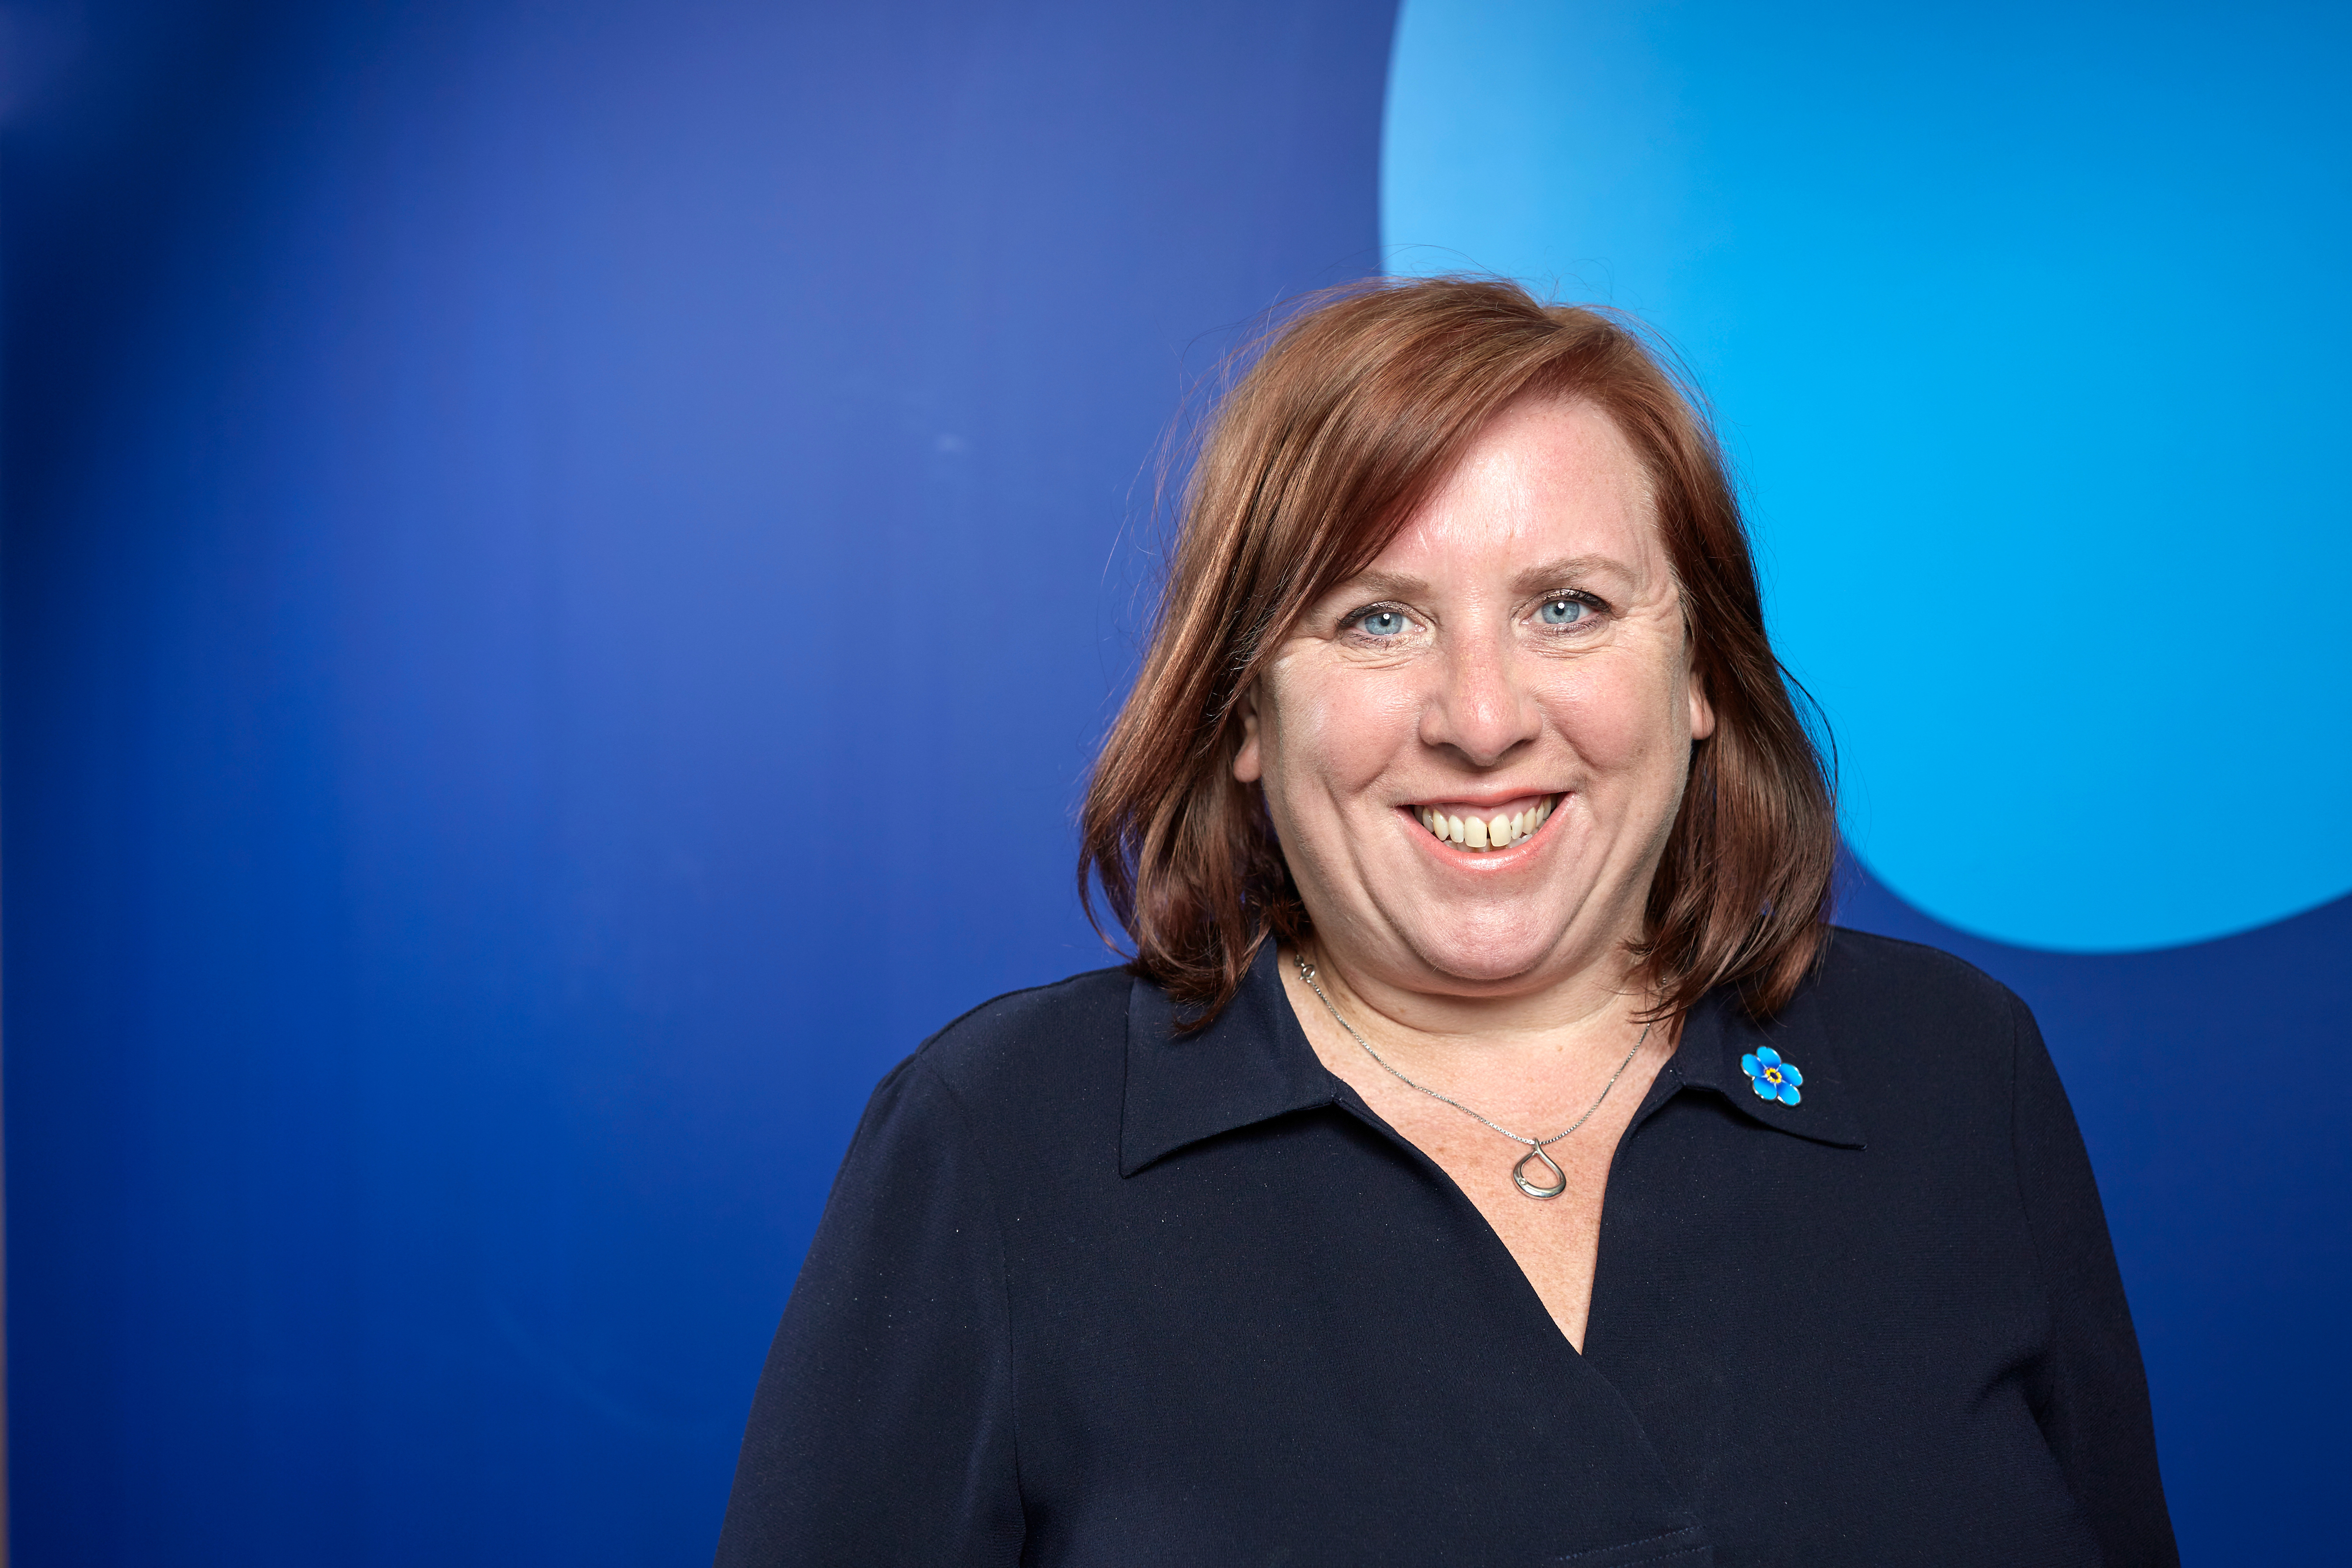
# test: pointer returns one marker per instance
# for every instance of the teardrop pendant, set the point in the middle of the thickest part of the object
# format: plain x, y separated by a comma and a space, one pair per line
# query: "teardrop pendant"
1520, 1174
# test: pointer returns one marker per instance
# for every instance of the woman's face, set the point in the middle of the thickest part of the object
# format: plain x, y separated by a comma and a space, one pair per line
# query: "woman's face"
1511, 671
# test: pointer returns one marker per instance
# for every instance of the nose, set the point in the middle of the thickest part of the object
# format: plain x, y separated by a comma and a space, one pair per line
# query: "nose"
1481, 710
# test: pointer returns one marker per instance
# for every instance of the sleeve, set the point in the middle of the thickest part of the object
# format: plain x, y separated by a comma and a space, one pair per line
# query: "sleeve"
2091, 1396
882, 1428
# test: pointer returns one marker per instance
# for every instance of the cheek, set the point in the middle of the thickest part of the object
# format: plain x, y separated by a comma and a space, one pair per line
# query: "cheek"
1338, 734
1622, 717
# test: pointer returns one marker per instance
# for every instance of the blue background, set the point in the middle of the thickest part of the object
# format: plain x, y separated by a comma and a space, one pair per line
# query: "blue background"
2027, 323
561, 567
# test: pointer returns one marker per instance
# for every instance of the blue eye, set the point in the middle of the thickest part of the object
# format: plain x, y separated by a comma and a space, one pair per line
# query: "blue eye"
1562, 612
1383, 623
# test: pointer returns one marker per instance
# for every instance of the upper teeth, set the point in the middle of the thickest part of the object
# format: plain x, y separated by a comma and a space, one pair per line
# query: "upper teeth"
1484, 832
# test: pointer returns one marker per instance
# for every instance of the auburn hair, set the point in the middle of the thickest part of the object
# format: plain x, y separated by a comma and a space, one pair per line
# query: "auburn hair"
1353, 411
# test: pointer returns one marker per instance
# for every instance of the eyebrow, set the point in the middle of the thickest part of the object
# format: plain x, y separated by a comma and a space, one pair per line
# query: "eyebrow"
1383, 585
1571, 569
1567, 570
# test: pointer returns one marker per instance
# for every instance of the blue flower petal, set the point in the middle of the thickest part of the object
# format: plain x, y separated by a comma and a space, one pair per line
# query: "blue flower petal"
1789, 1070
1763, 1090
1769, 1056
1751, 1066
1789, 1095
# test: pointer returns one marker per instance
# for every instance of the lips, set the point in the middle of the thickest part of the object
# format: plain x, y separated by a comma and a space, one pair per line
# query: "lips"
1476, 830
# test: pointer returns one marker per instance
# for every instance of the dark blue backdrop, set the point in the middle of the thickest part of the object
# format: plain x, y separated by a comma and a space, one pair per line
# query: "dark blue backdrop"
562, 564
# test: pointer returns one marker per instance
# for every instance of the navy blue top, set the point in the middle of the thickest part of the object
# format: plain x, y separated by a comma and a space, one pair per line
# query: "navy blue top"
1089, 1292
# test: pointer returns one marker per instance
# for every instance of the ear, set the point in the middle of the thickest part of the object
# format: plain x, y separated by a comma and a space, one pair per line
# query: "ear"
1701, 711
1249, 763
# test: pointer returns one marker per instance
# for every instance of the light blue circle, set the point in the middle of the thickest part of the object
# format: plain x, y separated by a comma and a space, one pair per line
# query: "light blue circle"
2028, 328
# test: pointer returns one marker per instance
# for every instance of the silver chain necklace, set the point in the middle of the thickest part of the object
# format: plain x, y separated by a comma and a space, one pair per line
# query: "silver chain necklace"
1535, 1146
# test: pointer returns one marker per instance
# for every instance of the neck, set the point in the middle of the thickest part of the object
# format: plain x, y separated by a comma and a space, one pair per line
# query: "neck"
1591, 1008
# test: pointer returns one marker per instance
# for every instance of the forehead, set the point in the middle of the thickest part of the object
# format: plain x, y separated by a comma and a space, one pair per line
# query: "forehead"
1546, 478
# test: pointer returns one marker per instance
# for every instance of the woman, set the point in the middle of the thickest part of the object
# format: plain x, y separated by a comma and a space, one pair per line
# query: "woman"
1491, 1155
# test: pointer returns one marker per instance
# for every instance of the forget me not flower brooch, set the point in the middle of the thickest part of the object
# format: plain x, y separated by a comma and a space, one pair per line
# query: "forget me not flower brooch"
1771, 1077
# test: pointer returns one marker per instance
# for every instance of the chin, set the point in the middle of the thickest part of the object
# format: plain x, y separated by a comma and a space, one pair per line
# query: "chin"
1481, 952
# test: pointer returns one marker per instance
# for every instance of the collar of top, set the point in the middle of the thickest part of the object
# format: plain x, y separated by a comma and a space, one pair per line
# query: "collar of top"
1254, 1063
1719, 1039
1251, 1064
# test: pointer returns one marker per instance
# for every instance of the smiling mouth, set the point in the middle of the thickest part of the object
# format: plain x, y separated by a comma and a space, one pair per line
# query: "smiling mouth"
1480, 830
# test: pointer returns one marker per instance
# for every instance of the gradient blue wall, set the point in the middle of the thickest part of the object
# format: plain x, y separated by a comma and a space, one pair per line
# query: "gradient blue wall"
560, 568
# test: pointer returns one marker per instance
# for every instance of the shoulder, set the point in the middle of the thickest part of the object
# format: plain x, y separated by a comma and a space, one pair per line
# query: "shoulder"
990, 1103
1929, 1043
1882, 979
1035, 1046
